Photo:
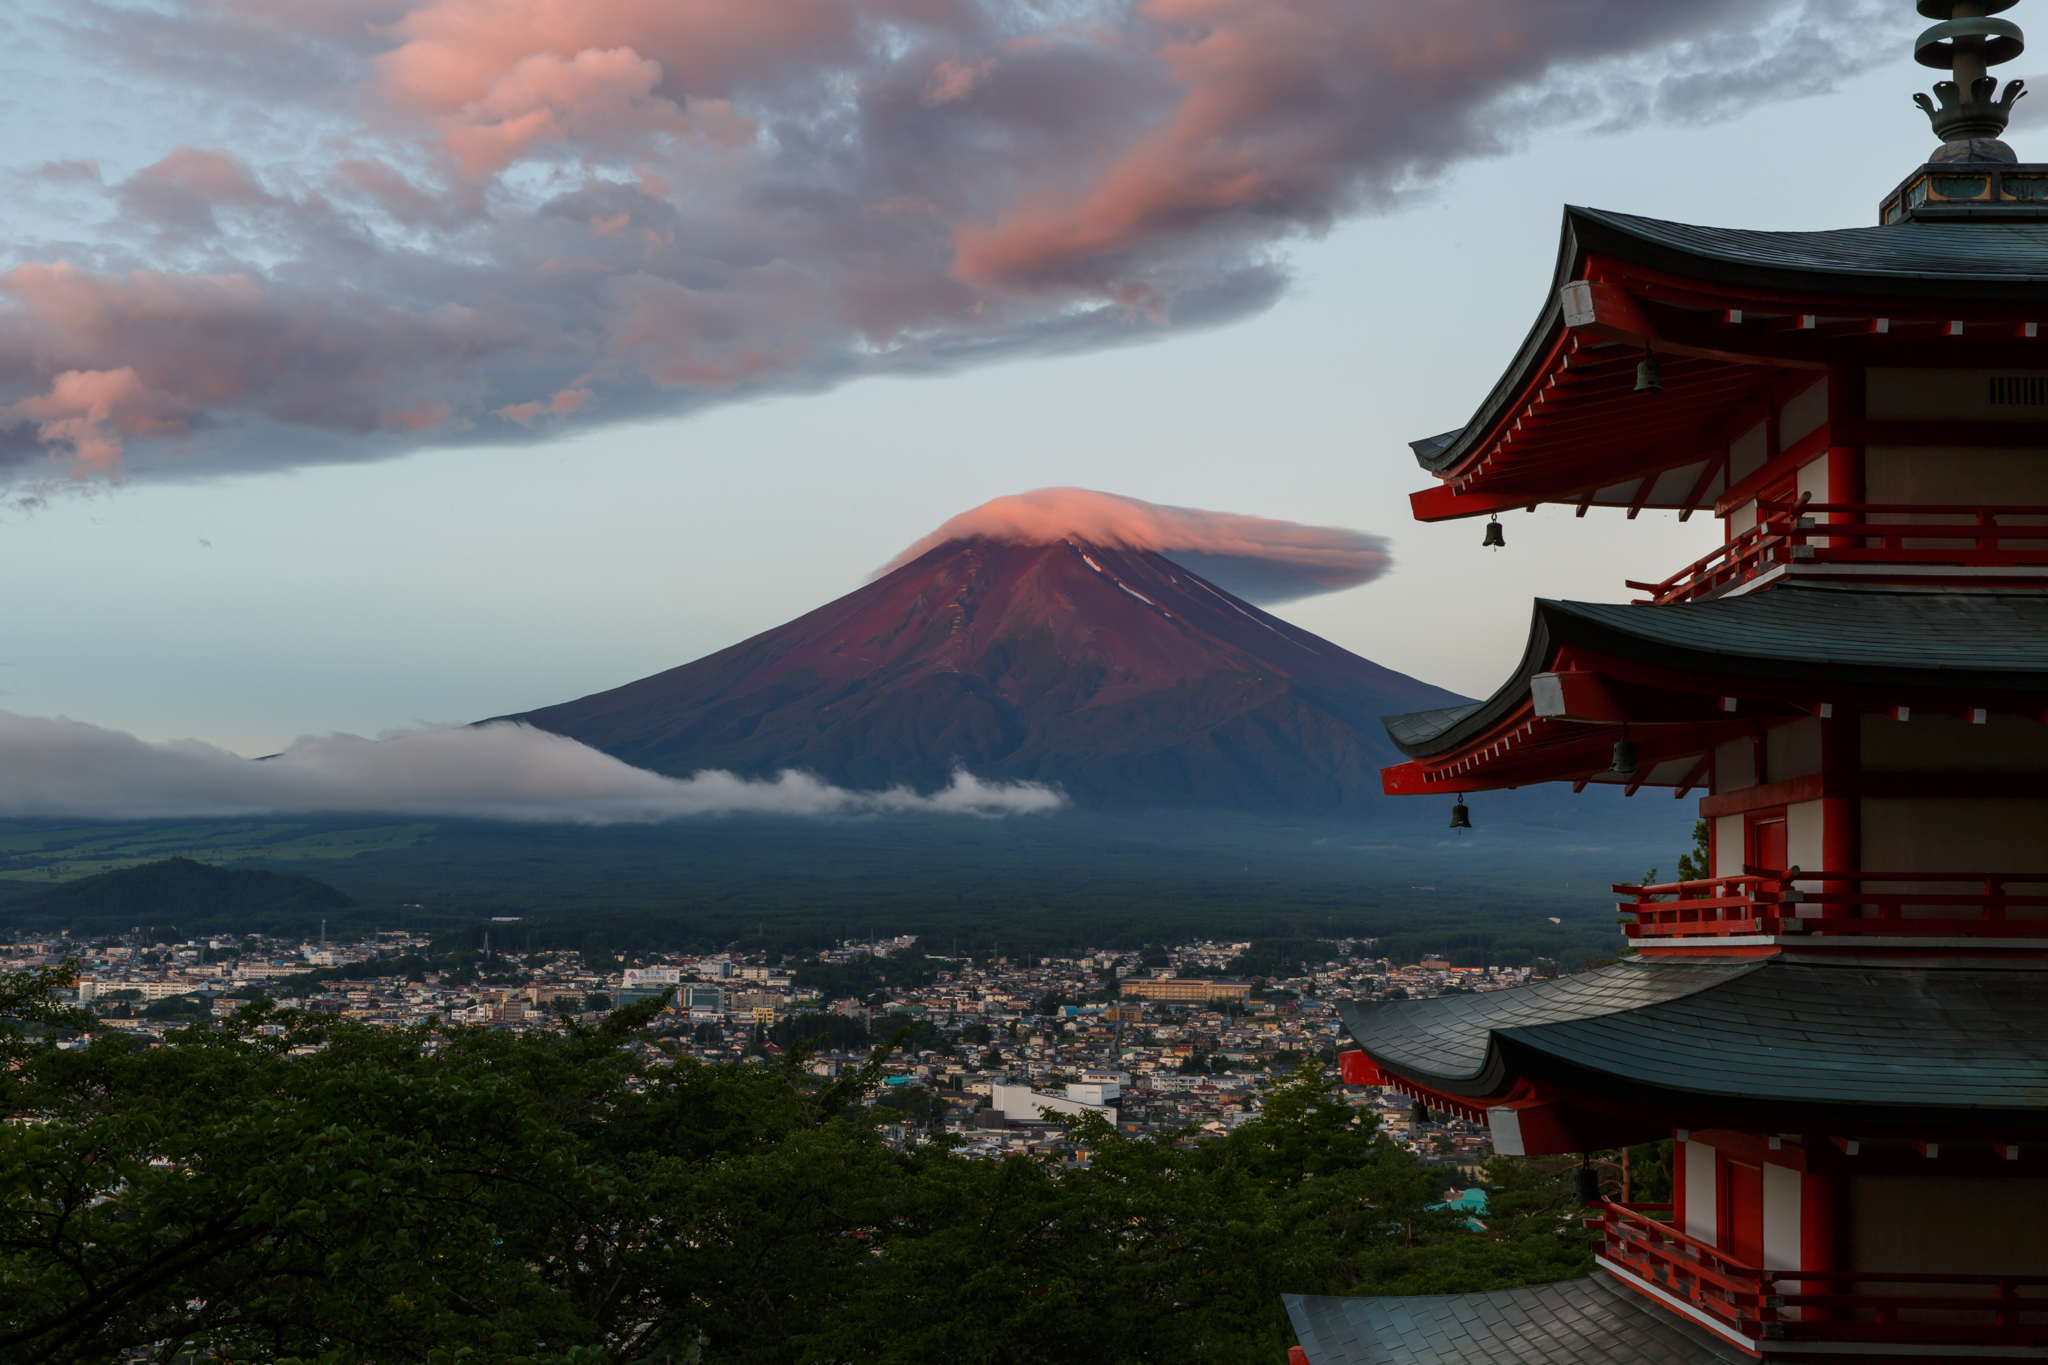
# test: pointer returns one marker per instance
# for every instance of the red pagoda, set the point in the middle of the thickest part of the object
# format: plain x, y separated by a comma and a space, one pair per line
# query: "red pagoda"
1844, 1029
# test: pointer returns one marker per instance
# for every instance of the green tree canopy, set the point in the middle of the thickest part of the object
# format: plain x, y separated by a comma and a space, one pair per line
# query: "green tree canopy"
273, 1187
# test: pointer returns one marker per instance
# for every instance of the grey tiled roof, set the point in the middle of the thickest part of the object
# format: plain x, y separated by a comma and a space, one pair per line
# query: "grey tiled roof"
1419, 727
1450, 1038
1987, 642
1592, 1321
2012, 253
1819, 628
1876, 1037
1431, 446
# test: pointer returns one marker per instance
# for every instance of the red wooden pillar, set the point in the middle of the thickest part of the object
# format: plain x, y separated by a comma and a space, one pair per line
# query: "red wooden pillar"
1824, 1236
1823, 1216
1742, 1209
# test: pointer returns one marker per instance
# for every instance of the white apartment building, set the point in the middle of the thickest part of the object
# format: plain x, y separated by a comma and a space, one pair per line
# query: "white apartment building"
1022, 1104
91, 989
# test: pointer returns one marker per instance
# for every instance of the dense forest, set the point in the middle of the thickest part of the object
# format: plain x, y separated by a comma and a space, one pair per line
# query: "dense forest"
1501, 894
268, 1187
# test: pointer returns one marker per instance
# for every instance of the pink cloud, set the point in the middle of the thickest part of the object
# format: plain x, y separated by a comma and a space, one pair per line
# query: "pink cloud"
953, 81
453, 52
1259, 558
660, 203
180, 193
392, 191
215, 345
84, 411
561, 405
423, 416
597, 100
1282, 110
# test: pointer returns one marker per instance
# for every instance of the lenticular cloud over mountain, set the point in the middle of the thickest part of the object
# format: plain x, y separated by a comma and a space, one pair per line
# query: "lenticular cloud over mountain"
1259, 559
347, 227
500, 771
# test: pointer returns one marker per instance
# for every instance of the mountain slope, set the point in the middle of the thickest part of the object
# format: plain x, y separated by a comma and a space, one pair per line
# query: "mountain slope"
1116, 673
179, 891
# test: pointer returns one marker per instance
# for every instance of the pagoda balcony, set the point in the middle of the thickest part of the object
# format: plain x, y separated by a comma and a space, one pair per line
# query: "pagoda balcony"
1845, 1306
1869, 541
1848, 905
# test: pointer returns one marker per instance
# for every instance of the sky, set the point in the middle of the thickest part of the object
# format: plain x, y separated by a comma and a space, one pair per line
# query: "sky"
310, 431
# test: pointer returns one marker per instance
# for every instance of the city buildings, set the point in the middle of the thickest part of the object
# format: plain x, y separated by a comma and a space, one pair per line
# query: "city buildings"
987, 1045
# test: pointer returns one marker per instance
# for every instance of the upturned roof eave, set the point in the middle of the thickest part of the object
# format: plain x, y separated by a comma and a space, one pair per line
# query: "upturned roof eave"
1537, 654
1588, 231
1542, 337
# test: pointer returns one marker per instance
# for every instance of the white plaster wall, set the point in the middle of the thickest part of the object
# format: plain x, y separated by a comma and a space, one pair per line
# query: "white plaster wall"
1803, 414
1802, 846
1794, 750
1728, 846
1938, 744
1954, 834
1946, 474
1813, 478
1734, 766
1952, 474
1781, 1218
1925, 395
1702, 1201
1746, 454
1965, 1225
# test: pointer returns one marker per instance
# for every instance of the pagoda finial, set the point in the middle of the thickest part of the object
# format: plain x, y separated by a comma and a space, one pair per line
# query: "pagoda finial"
1967, 41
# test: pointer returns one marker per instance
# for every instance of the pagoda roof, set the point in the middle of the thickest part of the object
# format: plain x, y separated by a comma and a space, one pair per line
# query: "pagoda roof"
1941, 258
1871, 1041
1568, 1323
1740, 320
1795, 636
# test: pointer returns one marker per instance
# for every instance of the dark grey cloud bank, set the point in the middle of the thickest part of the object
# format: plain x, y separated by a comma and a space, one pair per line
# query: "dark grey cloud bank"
497, 221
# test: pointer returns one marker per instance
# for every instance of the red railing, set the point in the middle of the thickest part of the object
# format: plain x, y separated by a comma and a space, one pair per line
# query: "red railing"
1921, 1307
1789, 532
1824, 903
1685, 1267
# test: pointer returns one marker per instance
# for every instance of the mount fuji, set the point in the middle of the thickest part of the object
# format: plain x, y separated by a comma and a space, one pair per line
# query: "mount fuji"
1115, 672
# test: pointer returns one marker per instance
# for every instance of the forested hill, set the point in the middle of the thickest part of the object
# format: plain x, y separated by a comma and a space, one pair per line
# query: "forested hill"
178, 891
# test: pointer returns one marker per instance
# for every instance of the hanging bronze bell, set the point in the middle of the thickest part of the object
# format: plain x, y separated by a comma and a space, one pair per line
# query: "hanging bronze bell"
1495, 537
1625, 754
1461, 817
1647, 378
